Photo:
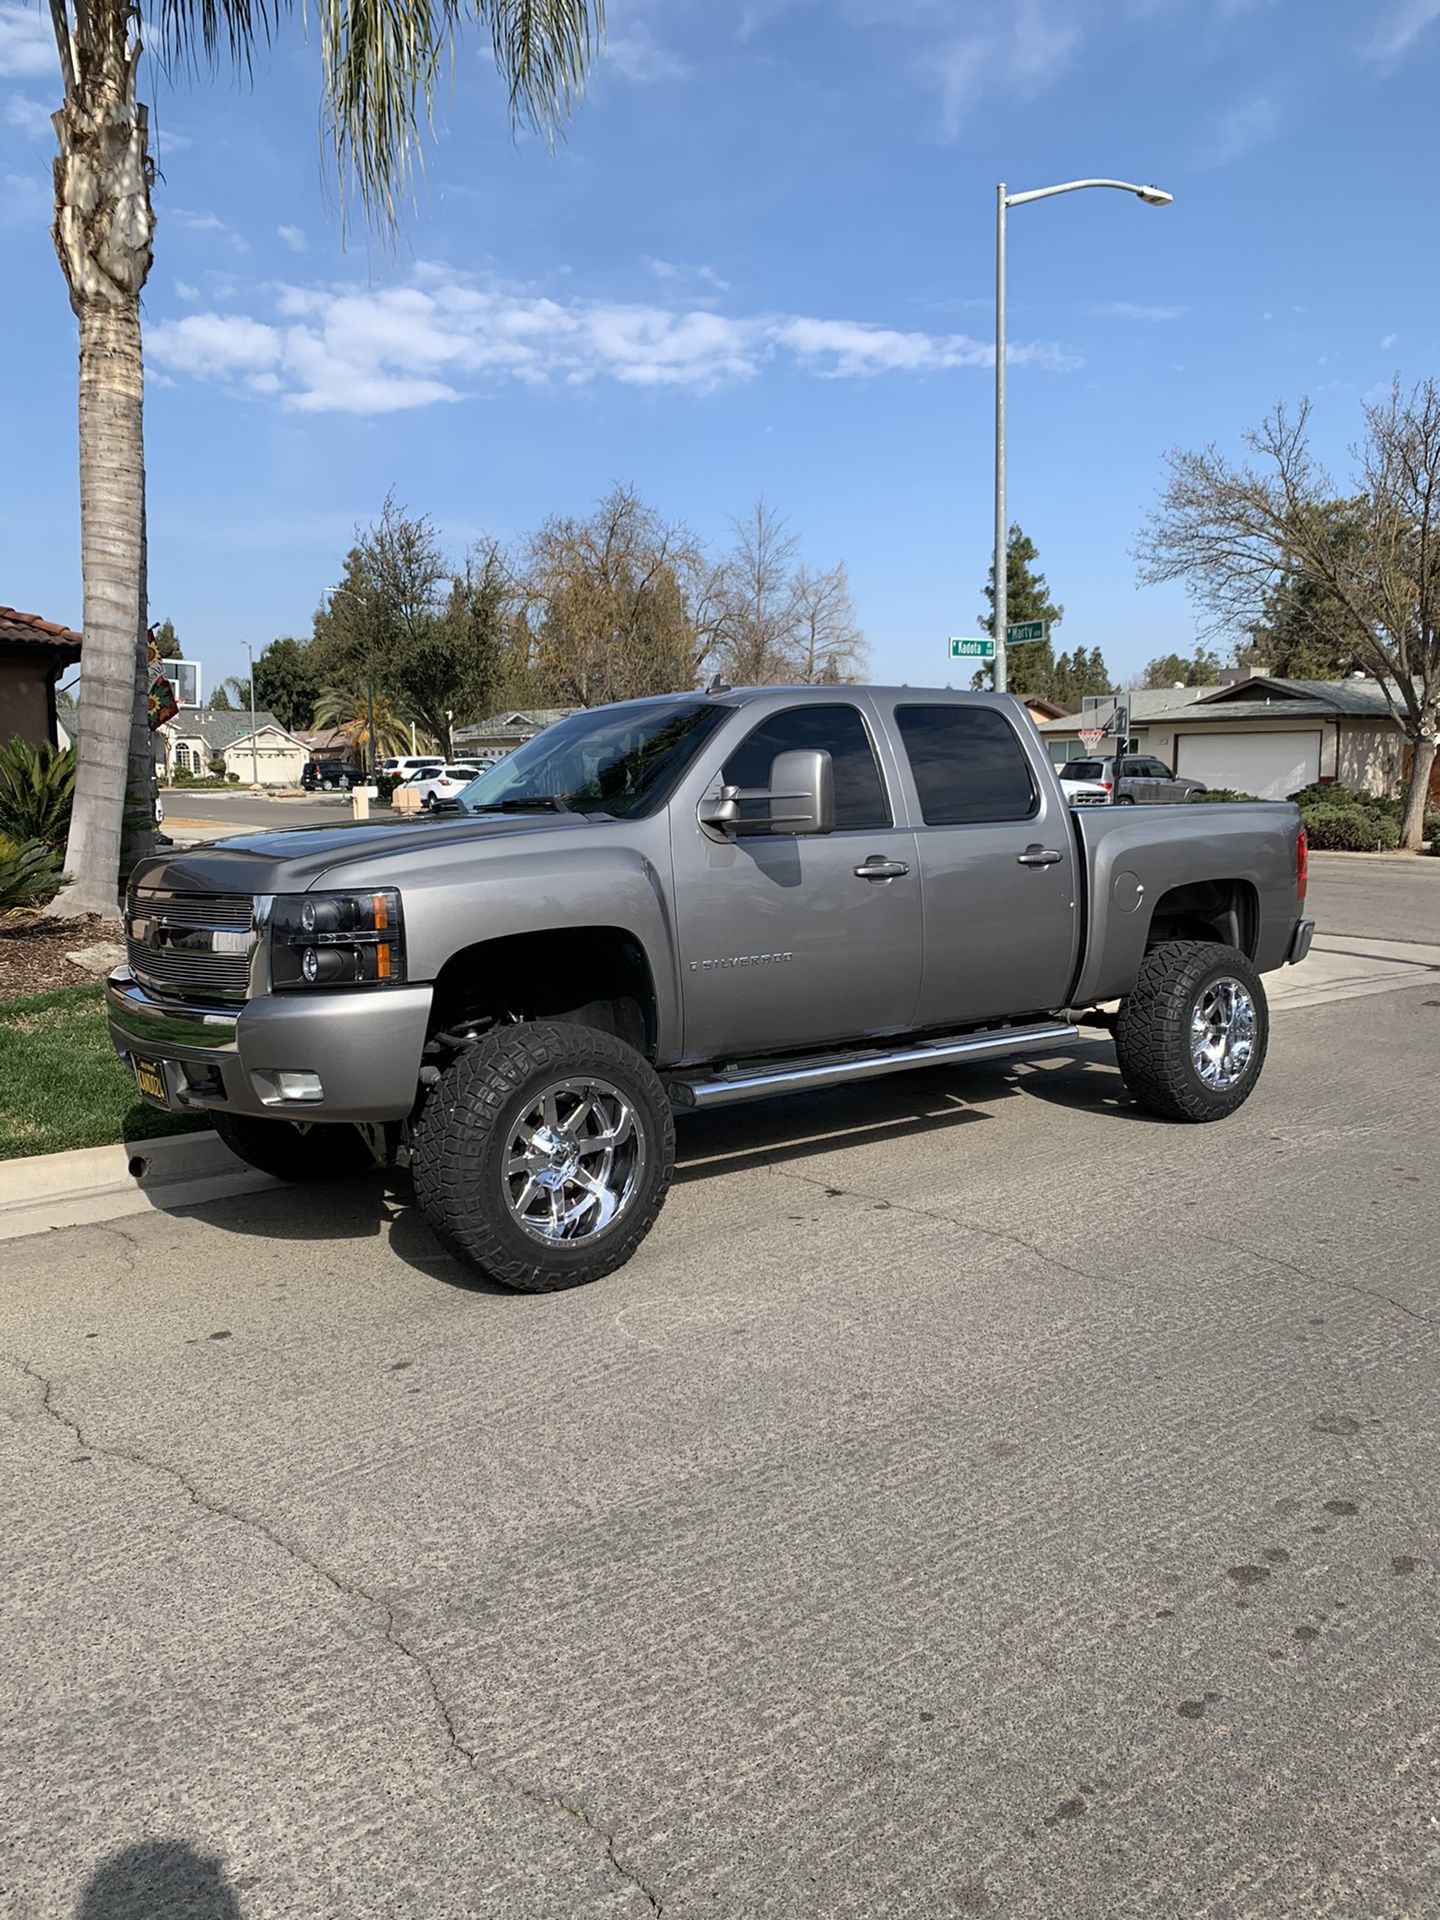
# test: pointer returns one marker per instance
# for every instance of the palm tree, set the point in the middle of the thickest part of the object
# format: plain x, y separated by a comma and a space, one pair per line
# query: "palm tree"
380, 61
350, 711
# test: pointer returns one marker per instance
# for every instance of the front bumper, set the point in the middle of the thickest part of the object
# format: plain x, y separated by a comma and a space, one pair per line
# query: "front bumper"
363, 1045
1300, 942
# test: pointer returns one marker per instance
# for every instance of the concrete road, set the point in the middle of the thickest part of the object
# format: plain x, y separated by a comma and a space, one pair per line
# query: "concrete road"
235, 811
975, 1499
1390, 897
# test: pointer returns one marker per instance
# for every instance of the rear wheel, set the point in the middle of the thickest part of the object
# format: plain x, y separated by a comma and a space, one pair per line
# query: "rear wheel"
1191, 1038
1125, 800
294, 1149
544, 1155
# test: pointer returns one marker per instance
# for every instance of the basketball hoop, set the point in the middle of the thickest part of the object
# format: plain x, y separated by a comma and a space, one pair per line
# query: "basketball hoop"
1091, 736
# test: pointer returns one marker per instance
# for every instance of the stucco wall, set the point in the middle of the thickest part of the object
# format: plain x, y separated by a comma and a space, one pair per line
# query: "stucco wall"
275, 762
1371, 756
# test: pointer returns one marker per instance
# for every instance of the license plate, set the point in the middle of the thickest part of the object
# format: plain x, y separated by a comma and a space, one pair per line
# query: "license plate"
150, 1079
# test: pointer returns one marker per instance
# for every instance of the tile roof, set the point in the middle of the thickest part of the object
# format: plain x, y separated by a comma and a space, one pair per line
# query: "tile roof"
29, 630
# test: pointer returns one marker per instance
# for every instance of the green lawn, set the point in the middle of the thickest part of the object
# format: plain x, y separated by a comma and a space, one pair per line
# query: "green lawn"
61, 1085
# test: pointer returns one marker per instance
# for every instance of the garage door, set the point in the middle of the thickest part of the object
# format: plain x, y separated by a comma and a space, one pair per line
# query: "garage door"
1269, 765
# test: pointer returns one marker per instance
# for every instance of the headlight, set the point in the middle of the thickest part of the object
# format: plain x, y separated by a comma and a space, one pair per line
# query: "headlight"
337, 939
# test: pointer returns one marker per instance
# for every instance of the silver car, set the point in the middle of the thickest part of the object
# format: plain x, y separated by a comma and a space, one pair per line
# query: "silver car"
1143, 779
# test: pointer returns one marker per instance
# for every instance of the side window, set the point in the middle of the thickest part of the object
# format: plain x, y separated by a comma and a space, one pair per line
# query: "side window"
837, 730
969, 767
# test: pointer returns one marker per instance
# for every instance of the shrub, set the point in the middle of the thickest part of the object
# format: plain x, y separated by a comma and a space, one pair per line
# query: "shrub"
217, 765
30, 873
1220, 793
37, 790
1349, 827
385, 785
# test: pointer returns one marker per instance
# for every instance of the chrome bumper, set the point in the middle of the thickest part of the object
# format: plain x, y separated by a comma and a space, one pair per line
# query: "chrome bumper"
1300, 942
362, 1044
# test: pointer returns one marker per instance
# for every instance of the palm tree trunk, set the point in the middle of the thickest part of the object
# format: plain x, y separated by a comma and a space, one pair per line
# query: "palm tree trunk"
103, 227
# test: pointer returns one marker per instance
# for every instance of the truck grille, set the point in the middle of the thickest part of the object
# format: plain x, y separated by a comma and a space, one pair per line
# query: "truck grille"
188, 947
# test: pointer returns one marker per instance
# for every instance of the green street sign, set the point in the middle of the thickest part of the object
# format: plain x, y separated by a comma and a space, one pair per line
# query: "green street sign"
1024, 630
971, 649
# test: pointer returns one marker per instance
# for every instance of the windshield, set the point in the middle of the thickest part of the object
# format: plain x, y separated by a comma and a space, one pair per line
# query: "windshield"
1082, 770
621, 761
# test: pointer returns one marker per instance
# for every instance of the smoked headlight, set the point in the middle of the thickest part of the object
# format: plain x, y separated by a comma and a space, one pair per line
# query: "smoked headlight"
337, 939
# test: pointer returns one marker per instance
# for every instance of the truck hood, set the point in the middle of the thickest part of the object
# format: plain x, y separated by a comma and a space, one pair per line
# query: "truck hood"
294, 859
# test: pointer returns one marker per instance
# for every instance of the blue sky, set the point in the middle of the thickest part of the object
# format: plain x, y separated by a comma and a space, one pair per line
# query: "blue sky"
760, 262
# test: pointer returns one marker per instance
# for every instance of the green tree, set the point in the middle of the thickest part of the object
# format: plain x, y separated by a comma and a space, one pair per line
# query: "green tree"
287, 683
219, 699
1075, 675
1304, 631
1030, 667
167, 641
448, 671
380, 65
1201, 669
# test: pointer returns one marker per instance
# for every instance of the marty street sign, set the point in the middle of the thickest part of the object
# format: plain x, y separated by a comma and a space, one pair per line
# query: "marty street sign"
1024, 630
983, 649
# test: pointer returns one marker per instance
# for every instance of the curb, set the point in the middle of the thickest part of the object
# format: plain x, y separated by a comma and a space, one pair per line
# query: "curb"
90, 1184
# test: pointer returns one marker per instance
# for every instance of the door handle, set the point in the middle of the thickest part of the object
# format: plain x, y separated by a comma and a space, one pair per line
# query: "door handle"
877, 868
1040, 857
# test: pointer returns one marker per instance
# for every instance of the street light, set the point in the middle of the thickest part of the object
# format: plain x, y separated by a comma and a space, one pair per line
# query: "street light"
1153, 197
254, 751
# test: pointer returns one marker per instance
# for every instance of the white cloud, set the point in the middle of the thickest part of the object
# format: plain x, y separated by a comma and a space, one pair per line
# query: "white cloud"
637, 55
205, 223
1401, 27
186, 291
674, 270
1242, 128
27, 45
25, 198
1388, 342
1129, 310
1015, 50
439, 338
294, 238
30, 116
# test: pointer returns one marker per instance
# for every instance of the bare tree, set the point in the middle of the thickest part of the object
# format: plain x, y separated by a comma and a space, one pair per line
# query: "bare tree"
1233, 531
832, 648
611, 602
757, 641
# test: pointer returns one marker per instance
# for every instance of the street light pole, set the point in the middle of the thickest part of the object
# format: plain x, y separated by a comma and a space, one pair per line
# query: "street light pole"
1152, 197
254, 749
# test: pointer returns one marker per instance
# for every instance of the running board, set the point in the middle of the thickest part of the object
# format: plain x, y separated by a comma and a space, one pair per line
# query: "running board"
836, 1070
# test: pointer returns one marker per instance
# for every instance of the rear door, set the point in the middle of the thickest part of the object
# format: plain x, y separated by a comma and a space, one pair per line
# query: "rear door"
997, 861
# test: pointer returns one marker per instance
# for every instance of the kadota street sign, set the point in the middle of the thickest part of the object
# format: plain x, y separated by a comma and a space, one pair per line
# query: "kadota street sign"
982, 649
1023, 631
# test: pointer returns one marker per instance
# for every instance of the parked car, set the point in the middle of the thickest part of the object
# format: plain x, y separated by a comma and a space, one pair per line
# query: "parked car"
404, 765
1081, 793
326, 774
442, 785
1142, 779
679, 903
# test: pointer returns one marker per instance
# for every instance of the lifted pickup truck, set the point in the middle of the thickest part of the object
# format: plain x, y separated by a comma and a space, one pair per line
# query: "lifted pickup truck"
678, 903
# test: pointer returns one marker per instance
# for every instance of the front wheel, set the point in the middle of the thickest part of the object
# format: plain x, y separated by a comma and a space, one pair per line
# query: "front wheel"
544, 1155
293, 1150
1191, 1038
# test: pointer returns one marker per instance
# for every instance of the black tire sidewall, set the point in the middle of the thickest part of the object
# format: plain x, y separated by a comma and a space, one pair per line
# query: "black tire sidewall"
463, 1136
1153, 1033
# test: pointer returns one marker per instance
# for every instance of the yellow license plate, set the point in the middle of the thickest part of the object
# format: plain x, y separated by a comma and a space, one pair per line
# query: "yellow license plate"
150, 1078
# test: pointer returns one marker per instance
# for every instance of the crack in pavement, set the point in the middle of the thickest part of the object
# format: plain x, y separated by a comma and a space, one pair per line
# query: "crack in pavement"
1328, 1280
350, 1590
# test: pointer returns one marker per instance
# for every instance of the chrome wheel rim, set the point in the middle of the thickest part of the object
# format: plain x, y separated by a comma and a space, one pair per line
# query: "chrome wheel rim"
1222, 1034
573, 1162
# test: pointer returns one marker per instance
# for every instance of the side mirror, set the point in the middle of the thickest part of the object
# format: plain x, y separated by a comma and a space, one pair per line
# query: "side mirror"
802, 792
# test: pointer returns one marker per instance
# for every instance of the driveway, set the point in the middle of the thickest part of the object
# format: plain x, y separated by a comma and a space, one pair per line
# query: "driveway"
975, 1499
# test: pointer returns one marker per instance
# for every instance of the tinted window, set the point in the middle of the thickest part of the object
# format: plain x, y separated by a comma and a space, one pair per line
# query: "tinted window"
839, 731
968, 765
624, 761
1082, 770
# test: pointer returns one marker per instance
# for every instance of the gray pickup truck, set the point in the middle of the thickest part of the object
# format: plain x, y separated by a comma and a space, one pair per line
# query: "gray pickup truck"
677, 903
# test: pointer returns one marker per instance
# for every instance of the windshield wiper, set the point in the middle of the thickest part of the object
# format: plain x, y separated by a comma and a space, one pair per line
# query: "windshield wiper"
530, 803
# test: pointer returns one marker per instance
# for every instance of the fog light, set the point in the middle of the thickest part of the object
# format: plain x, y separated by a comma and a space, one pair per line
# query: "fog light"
299, 1086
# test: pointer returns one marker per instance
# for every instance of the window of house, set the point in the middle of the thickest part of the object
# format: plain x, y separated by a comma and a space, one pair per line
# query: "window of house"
968, 764
834, 729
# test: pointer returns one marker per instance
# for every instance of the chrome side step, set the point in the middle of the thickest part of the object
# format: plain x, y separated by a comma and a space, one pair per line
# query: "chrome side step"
836, 1069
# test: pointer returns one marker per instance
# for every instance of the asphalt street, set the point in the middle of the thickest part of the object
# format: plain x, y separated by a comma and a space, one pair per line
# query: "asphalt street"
976, 1498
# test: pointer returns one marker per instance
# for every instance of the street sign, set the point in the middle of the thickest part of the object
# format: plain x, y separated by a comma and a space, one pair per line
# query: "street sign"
1024, 630
982, 649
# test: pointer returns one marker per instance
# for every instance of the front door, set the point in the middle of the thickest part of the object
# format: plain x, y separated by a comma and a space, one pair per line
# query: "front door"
792, 940
997, 863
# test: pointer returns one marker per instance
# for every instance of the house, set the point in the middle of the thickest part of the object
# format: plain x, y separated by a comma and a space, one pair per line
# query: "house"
1262, 734
197, 736
33, 655
502, 731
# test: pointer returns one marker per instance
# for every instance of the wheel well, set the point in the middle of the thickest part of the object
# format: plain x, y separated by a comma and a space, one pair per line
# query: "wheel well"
597, 976
1223, 910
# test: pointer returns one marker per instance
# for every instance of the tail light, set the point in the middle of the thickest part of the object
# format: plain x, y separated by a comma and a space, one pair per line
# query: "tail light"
1109, 788
1302, 866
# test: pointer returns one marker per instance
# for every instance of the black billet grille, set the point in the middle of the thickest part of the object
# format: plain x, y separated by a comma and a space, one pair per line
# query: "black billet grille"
191, 947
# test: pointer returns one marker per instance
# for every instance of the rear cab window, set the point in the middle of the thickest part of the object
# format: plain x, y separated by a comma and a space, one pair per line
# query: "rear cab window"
968, 765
